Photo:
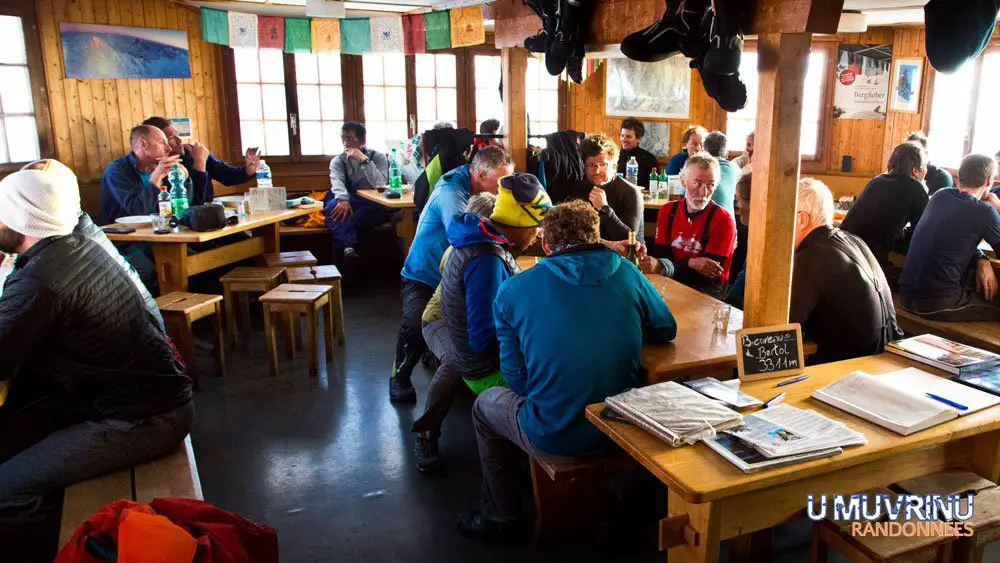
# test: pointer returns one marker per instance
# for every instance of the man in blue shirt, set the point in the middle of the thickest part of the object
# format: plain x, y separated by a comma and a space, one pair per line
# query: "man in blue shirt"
716, 145
421, 272
937, 279
570, 333
217, 170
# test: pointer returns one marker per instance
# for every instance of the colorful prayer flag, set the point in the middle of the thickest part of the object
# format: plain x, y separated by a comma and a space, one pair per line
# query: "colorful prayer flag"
215, 26
413, 33
387, 34
355, 36
270, 32
325, 34
437, 30
467, 26
298, 37
242, 30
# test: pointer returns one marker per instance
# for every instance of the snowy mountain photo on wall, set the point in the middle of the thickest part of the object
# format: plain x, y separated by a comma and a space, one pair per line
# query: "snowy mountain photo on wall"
106, 51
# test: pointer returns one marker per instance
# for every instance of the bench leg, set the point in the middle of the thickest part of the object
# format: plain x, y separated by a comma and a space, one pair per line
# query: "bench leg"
227, 298
311, 341
220, 340
271, 341
245, 311
752, 547
188, 339
566, 507
337, 308
291, 319
328, 330
818, 550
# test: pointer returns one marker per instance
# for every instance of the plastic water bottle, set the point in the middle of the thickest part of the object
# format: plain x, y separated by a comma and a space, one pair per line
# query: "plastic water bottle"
178, 192
632, 171
264, 179
395, 174
654, 185
163, 204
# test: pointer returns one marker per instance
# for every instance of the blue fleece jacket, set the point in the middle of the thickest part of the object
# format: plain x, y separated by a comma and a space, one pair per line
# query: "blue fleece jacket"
676, 163
449, 198
483, 276
571, 330
125, 191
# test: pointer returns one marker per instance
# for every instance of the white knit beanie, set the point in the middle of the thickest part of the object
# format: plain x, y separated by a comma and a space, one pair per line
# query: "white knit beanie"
40, 203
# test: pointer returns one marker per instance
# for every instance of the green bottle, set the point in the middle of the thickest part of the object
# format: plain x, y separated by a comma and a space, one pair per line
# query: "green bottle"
178, 192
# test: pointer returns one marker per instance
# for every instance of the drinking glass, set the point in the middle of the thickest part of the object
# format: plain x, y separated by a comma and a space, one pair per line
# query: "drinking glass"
720, 316
160, 223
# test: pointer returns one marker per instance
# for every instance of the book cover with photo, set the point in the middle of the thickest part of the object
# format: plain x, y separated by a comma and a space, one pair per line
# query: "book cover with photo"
943, 354
983, 378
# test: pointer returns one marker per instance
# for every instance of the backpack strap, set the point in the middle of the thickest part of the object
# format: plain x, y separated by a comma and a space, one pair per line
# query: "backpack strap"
670, 220
707, 231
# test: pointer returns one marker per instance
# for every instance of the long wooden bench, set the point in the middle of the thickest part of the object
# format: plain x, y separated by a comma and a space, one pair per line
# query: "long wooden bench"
175, 475
985, 335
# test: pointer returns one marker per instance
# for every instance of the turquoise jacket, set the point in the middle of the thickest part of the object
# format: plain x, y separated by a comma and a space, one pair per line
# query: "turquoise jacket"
571, 330
725, 190
449, 198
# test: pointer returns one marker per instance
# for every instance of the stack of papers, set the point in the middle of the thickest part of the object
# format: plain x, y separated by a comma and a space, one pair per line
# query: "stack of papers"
673, 413
944, 354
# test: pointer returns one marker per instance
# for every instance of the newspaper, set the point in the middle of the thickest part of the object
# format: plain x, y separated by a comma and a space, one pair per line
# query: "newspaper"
785, 430
674, 413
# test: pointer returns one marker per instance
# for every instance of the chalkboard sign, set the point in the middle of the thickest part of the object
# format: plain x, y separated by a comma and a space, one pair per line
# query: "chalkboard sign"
770, 351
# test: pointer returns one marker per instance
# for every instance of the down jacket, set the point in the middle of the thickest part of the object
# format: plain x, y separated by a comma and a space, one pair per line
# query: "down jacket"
74, 331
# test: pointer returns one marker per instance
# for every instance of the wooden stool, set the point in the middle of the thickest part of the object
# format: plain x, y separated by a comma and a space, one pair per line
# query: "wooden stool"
179, 310
324, 275
244, 280
298, 299
289, 259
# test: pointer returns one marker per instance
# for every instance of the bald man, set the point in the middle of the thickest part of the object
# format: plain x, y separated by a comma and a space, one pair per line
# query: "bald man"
130, 184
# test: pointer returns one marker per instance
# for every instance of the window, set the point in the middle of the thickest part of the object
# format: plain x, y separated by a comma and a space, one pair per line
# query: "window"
437, 90
321, 102
489, 105
385, 99
260, 94
542, 101
959, 123
741, 123
18, 131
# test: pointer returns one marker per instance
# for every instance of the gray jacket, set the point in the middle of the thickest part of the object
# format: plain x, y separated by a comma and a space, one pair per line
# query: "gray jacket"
347, 175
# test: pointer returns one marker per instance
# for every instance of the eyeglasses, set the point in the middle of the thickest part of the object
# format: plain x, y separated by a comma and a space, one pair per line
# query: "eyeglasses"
596, 167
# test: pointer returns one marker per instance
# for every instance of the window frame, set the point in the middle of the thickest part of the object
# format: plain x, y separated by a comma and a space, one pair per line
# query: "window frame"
36, 76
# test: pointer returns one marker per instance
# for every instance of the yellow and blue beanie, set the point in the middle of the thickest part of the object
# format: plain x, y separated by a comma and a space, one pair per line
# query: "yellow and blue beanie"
521, 201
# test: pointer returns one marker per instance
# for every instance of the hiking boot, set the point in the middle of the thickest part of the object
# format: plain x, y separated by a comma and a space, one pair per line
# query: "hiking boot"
574, 68
662, 39
426, 453
537, 43
473, 525
401, 391
351, 255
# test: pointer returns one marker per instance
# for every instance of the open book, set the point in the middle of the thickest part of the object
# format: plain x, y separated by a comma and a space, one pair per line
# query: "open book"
898, 400
675, 414
942, 353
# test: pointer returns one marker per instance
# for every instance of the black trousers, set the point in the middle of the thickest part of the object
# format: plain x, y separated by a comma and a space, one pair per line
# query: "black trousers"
410, 342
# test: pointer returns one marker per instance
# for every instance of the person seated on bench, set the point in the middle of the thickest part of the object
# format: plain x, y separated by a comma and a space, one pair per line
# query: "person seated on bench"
716, 145
839, 294
421, 272
691, 141
571, 330
743, 161
131, 184
618, 202
695, 236
937, 279
936, 177
743, 186
631, 132
79, 404
217, 170
347, 213
480, 259
888, 203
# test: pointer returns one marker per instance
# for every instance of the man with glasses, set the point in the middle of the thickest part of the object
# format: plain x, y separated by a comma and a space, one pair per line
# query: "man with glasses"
695, 236
618, 203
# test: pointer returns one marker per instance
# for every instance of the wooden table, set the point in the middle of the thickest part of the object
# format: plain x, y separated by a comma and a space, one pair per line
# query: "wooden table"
407, 227
710, 500
660, 202
170, 251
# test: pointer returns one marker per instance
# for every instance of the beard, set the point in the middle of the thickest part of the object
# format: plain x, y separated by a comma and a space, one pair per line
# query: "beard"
10, 240
698, 204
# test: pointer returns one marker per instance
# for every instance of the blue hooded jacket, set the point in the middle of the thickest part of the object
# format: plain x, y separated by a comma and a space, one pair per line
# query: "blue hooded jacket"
571, 330
450, 196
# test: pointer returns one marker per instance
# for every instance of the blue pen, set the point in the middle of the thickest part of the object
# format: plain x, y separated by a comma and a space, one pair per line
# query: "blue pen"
793, 380
779, 398
948, 402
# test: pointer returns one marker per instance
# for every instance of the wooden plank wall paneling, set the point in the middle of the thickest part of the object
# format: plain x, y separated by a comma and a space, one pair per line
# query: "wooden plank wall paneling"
91, 118
867, 142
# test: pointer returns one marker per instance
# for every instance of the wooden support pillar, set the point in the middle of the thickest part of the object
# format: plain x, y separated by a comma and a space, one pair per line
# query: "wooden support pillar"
782, 62
514, 61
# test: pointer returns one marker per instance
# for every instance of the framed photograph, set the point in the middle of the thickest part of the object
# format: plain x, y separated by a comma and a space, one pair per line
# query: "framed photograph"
659, 90
907, 74
108, 51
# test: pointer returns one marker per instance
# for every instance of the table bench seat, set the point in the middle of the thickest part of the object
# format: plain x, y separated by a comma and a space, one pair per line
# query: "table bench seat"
985, 335
173, 476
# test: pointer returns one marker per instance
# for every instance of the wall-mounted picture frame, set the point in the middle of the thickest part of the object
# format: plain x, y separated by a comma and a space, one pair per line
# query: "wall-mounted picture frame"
658, 90
907, 79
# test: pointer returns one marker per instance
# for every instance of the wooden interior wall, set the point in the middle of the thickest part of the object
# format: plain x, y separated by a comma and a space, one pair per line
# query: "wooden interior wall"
91, 118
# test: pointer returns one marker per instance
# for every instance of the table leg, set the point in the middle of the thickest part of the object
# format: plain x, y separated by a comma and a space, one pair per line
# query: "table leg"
230, 303
271, 235
753, 547
407, 229
220, 340
705, 520
171, 266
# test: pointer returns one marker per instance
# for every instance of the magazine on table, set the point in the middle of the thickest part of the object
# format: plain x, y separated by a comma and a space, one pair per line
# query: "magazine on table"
749, 460
727, 392
985, 379
944, 354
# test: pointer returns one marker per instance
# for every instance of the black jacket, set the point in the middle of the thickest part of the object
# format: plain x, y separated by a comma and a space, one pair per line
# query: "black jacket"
623, 211
645, 159
74, 330
841, 297
883, 209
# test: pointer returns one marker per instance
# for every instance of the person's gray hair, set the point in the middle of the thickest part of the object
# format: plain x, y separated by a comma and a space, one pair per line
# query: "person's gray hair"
481, 204
443, 125
490, 158
816, 201
704, 161
976, 171
715, 144
140, 132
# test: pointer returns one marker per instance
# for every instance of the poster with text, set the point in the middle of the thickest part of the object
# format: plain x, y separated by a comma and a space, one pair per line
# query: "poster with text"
864, 72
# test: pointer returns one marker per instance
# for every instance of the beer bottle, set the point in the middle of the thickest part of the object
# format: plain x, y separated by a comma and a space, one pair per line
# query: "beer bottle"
632, 254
